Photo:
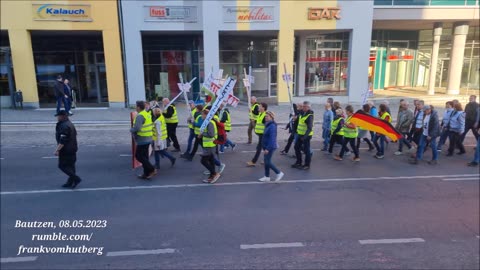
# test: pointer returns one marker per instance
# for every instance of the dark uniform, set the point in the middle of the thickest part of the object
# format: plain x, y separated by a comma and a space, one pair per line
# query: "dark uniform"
66, 134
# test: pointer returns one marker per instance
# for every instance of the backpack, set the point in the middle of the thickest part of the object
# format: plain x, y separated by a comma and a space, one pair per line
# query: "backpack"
221, 133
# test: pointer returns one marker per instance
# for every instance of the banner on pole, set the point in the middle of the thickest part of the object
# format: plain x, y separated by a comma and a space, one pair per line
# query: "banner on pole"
231, 100
223, 95
207, 84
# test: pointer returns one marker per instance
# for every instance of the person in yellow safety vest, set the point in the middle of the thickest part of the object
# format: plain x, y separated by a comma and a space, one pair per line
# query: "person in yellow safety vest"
190, 120
305, 133
336, 130
384, 115
226, 119
350, 134
253, 115
197, 123
171, 118
209, 148
259, 129
160, 139
142, 132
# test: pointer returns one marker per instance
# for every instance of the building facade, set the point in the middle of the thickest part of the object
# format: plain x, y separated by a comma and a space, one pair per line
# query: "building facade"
331, 48
77, 39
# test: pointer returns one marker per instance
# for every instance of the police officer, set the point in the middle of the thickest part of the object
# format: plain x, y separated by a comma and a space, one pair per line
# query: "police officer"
171, 118
66, 136
253, 114
142, 132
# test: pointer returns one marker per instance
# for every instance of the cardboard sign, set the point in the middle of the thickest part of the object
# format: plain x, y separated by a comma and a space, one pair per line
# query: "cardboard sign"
223, 95
231, 100
287, 78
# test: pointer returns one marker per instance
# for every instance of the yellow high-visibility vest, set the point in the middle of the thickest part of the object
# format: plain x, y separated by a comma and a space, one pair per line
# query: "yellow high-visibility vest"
253, 116
196, 130
190, 125
147, 127
174, 118
349, 132
302, 126
207, 142
335, 125
384, 116
163, 127
260, 126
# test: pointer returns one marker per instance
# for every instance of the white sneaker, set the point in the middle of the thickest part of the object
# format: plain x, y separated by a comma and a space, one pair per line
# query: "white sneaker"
279, 176
264, 179
398, 153
221, 167
206, 172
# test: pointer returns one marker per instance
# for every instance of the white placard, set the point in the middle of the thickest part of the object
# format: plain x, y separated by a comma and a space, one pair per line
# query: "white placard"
223, 94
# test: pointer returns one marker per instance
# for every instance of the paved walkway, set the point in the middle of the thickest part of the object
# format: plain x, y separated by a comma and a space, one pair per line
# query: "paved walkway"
239, 114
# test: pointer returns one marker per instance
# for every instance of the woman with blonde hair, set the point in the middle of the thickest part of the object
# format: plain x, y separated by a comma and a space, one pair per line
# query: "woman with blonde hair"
160, 138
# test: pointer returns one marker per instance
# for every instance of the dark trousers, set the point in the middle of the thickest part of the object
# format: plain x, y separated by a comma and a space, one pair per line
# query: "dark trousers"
259, 148
467, 129
359, 140
303, 144
402, 141
195, 146
267, 158
289, 142
455, 142
416, 135
61, 100
209, 163
335, 139
66, 163
191, 137
351, 141
141, 154
172, 134
380, 147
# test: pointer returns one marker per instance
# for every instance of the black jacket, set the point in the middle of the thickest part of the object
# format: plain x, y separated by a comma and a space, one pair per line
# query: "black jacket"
471, 113
434, 125
66, 134
59, 89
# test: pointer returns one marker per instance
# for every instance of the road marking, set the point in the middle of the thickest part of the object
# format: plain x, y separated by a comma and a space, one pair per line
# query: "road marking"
125, 155
1, 158
232, 184
460, 179
391, 241
49, 157
272, 245
18, 259
141, 252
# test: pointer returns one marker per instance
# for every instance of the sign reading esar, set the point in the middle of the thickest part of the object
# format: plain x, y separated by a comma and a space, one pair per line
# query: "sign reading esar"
328, 13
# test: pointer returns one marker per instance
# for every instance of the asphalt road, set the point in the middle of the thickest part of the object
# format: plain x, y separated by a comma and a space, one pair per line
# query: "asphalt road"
375, 214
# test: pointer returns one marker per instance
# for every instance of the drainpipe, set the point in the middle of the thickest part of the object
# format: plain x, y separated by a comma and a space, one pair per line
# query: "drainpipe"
122, 45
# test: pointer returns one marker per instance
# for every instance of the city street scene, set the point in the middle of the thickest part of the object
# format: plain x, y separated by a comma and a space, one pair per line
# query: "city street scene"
288, 134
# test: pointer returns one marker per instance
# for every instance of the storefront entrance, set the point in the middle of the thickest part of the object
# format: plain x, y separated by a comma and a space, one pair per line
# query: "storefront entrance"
78, 57
272, 79
400, 64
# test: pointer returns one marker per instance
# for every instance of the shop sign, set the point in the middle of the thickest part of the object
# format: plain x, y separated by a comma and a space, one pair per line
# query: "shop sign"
233, 14
328, 13
62, 12
170, 13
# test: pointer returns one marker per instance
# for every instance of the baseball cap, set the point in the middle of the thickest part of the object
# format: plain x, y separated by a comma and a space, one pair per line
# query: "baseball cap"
61, 112
427, 107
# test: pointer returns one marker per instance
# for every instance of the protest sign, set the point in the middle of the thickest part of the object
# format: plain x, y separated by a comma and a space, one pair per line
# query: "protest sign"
223, 94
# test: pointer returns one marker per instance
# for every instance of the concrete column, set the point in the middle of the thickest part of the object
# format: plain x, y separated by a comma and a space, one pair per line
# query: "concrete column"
210, 37
24, 66
302, 60
437, 34
460, 31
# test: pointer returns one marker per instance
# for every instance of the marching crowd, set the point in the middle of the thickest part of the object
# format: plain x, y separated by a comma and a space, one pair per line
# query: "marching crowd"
421, 128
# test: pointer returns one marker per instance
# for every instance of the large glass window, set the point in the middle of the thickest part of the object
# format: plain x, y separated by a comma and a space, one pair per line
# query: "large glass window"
239, 52
77, 57
471, 62
6, 65
164, 57
327, 64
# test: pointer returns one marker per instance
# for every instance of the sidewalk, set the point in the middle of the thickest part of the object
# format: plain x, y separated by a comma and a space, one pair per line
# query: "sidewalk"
98, 116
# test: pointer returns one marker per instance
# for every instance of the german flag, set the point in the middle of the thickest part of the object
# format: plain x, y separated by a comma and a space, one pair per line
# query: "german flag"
368, 122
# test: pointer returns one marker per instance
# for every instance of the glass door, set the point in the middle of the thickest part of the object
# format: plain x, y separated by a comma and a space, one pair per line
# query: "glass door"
272, 79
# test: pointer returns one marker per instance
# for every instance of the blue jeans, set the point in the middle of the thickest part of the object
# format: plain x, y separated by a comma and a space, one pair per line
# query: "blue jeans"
381, 147
423, 144
163, 154
476, 158
60, 100
191, 137
227, 143
326, 138
268, 164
